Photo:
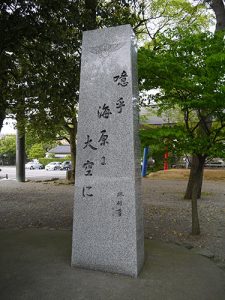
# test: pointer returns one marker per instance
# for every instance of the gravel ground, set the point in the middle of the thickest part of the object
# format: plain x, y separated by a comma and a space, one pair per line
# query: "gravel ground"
167, 216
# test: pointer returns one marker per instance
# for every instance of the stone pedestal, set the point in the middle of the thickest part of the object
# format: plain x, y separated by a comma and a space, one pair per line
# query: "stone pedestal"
108, 222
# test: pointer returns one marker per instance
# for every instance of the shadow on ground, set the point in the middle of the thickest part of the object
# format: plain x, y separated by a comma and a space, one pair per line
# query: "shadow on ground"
35, 264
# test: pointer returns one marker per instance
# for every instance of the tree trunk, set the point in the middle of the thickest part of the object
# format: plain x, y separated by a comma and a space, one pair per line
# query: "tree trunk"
3, 106
3, 87
73, 133
194, 188
20, 154
196, 177
20, 141
219, 10
194, 204
2, 117
200, 180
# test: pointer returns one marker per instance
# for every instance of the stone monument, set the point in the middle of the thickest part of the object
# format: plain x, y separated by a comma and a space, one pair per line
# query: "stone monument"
108, 218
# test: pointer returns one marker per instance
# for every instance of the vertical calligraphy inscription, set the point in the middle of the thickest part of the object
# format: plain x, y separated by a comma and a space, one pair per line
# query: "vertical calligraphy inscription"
108, 227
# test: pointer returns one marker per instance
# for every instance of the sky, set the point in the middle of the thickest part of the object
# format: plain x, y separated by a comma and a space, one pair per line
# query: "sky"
8, 127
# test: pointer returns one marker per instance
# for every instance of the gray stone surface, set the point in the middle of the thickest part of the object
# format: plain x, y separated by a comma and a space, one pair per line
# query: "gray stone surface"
108, 224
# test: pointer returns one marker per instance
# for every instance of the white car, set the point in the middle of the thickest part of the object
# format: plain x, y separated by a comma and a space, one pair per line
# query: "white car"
33, 165
215, 163
54, 165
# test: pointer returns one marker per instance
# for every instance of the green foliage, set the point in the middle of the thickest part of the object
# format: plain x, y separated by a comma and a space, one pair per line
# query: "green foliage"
162, 139
36, 151
167, 16
44, 87
19, 24
32, 138
8, 144
8, 149
67, 157
46, 161
189, 73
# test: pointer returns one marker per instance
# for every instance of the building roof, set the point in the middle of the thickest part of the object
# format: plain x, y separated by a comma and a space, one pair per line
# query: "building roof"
62, 149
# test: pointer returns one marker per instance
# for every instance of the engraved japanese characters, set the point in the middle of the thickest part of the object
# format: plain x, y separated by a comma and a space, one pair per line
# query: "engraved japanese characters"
108, 224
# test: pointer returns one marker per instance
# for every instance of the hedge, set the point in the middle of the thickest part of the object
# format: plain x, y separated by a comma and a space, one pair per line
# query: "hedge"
44, 161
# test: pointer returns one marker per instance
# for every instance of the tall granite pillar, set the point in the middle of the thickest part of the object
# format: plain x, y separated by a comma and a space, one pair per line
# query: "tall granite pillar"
108, 223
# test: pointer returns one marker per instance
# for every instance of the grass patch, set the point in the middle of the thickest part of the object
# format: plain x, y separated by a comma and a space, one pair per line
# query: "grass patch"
209, 174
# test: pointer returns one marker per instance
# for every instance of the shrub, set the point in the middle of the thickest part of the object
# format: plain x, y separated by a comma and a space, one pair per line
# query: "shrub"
44, 161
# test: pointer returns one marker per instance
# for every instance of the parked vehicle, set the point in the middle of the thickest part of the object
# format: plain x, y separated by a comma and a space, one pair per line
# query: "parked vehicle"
54, 165
66, 165
215, 163
183, 162
33, 165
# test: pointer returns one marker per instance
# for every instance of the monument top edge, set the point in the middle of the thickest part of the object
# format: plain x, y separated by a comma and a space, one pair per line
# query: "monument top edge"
111, 28
102, 36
